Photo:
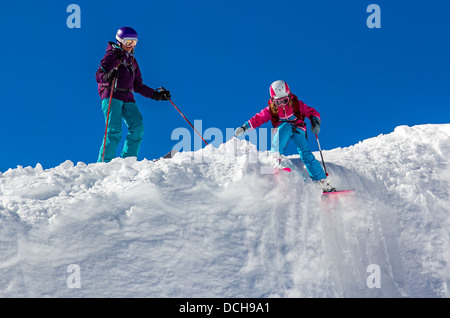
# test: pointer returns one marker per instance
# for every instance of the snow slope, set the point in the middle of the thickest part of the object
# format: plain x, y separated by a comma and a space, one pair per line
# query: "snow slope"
210, 224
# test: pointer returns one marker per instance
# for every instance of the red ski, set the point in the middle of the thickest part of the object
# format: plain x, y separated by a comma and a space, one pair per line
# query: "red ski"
277, 170
338, 192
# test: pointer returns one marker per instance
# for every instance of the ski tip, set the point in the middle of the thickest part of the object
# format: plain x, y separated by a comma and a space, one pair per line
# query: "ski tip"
169, 155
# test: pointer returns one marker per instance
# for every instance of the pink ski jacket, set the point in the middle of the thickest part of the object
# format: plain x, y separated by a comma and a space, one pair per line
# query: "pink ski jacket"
295, 114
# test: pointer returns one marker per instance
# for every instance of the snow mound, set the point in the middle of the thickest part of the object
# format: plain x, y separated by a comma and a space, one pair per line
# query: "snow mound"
215, 223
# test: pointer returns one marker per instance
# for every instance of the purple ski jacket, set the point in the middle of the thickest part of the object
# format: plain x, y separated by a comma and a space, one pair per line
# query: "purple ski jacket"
129, 79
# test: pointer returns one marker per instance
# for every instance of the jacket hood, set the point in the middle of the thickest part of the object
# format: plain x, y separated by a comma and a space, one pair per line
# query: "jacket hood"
113, 47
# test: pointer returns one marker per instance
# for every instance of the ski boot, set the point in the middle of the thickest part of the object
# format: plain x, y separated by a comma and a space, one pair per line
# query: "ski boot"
326, 186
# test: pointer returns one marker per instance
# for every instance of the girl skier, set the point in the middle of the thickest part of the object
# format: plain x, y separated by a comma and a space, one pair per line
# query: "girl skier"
120, 65
287, 114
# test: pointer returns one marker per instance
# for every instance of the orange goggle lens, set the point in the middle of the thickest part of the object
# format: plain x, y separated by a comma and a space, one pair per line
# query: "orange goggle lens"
129, 43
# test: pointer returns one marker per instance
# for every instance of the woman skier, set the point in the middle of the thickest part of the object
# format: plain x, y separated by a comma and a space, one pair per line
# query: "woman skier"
287, 114
120, 66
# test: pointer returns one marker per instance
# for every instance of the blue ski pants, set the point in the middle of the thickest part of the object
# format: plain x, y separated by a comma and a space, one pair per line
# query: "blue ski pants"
132, 118
285, 132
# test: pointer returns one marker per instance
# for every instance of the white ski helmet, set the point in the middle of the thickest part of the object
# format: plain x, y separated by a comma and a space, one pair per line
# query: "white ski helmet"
279, 89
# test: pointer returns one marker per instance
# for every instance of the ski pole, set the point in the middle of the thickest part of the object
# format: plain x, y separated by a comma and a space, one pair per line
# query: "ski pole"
187, 121
107, 118
323, 162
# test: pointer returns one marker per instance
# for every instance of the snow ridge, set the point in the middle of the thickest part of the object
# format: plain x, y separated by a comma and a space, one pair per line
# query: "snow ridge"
211, 224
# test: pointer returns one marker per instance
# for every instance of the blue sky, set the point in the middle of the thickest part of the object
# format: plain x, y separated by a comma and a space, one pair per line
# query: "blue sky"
218, 58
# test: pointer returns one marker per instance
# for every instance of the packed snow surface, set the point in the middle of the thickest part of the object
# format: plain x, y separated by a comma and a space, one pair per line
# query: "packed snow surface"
220, 222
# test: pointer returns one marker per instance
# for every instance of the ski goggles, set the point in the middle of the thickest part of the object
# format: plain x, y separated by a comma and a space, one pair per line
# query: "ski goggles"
129, 42
281, 101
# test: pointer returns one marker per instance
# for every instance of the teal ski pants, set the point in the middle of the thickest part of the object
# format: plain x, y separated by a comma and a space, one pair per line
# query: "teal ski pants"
285, 132
132, 118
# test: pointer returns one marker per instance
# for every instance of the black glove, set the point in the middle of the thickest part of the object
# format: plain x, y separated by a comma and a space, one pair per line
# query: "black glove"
240, 130
114, 73
161, 94
315, 125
